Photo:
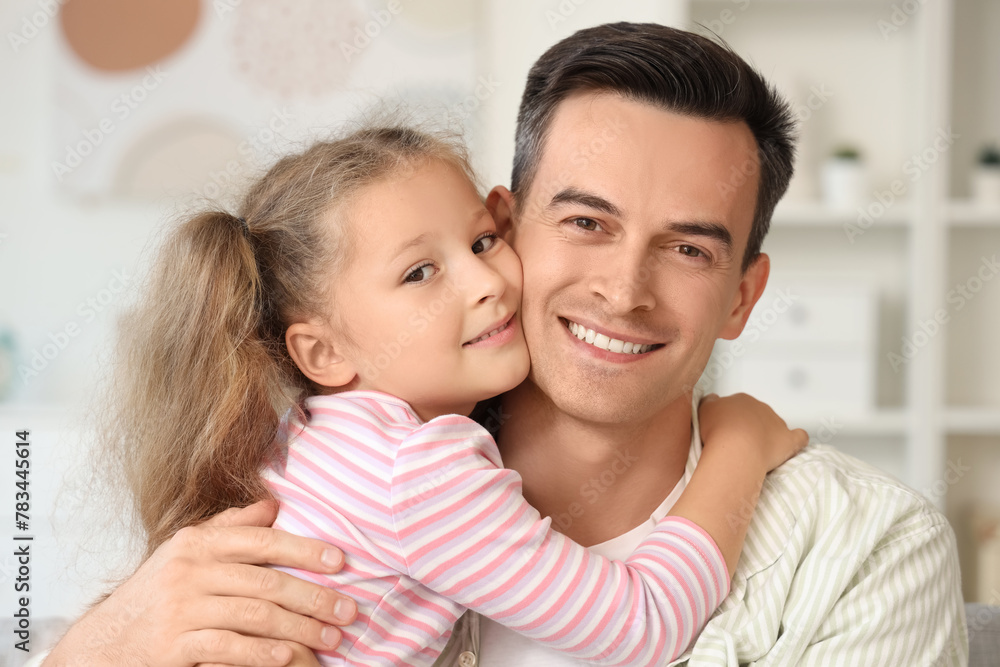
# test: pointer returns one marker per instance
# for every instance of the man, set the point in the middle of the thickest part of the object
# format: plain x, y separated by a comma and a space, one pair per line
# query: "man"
648, 163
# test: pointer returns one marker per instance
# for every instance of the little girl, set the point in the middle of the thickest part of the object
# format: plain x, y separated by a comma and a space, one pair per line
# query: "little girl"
363, 286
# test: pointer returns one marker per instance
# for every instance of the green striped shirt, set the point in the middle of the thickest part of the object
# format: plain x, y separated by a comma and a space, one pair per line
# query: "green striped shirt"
842, 565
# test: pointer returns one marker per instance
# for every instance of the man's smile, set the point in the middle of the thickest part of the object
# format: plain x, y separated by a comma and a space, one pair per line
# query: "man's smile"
608, 341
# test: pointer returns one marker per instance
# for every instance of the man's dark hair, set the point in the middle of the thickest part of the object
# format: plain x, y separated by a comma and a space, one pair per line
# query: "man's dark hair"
672, 69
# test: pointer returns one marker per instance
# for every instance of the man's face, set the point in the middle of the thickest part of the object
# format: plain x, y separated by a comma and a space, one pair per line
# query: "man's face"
634, 228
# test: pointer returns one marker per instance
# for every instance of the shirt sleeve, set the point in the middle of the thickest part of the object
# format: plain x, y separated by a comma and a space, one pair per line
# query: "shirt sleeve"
466, 532
903, 607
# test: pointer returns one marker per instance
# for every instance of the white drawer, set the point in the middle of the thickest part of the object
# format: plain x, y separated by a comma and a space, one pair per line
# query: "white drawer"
835, 311
830, 384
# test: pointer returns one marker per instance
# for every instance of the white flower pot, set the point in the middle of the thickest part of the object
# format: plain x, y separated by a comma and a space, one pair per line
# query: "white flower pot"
986, 186
843, 183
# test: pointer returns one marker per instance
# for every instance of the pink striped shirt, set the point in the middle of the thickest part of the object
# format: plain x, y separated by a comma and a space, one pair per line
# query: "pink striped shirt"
432, 524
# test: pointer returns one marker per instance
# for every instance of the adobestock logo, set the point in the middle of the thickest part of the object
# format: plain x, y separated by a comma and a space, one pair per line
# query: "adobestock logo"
592, 490
121, 108
371, 30
88, 310
899, 16
249, 150
914, 167
31, 26
930, 327
726, 17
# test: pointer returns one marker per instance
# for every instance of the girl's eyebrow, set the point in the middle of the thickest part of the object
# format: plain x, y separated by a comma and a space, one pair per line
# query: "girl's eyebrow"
415, 241
425, 236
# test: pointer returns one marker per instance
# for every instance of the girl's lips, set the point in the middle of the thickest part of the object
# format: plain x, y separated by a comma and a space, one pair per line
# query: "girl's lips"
504, 333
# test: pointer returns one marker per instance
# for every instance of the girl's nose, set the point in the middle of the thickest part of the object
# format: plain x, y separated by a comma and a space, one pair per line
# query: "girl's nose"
484, 282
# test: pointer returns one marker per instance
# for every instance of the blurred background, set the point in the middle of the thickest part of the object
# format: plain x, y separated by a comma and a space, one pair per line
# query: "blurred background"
875, 332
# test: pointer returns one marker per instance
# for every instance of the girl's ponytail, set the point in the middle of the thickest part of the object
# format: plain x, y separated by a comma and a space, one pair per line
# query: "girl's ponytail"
200, 387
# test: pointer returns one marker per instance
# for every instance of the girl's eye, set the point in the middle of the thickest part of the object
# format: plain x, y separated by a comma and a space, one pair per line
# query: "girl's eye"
484, 243
587, 224
690, 251
420, 274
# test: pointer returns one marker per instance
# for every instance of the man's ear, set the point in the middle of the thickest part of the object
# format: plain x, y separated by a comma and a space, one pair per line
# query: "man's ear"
500, 204
751, 286
317, 355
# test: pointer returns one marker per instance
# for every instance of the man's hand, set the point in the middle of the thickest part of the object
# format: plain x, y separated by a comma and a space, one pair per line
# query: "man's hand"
202, 597
302, 656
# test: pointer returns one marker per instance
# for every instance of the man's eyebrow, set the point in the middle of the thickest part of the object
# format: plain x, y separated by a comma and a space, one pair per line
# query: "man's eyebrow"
712, 230
590, 200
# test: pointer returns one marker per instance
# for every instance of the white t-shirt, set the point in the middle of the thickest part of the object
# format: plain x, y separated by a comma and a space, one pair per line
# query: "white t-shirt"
501, 646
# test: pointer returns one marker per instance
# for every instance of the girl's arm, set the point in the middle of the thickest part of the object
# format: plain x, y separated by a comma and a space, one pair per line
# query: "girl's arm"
468, 534
742, 439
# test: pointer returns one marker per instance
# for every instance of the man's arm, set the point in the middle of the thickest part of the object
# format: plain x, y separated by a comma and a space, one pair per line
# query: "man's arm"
202, 598
903, 607
843, 565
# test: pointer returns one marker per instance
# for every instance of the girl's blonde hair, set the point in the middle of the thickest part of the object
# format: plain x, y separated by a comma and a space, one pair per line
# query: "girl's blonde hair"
204, 376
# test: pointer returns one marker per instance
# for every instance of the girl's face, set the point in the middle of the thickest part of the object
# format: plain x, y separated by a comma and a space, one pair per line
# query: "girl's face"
430, 295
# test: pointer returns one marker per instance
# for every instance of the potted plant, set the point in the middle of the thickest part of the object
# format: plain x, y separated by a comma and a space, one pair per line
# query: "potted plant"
843, 179
986, 177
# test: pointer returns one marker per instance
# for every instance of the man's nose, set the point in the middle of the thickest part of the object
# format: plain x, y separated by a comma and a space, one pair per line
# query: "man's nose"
625, 283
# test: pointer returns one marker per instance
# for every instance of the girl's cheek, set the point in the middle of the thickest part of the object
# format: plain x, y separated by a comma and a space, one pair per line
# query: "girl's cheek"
514, 271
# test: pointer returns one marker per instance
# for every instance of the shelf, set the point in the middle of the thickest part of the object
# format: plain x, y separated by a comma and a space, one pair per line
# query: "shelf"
967, 213
786, 4
815, 214
890, 422
972, 421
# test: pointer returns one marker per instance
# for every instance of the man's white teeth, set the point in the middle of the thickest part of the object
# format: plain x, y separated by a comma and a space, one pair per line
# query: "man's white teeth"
605, 343
487, 335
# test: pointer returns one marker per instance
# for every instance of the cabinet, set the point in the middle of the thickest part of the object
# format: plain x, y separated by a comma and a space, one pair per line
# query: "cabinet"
914, 85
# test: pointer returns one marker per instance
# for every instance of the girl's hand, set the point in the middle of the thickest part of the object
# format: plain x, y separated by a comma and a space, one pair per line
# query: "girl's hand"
302, 656
743, 421
743, 440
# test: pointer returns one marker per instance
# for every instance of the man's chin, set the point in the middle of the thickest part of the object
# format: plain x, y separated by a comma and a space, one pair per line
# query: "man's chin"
607, 402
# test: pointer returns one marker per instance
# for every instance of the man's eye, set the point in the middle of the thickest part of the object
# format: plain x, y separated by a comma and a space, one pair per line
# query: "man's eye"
690, 251
484, 243
419, 274
587, 223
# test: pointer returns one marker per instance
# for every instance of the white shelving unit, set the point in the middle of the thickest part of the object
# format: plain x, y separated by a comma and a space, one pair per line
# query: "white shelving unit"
896, 82
966, 213
815, 214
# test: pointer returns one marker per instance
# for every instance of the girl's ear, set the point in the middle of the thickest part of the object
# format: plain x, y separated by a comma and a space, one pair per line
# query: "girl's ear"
317, 355
500, 204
